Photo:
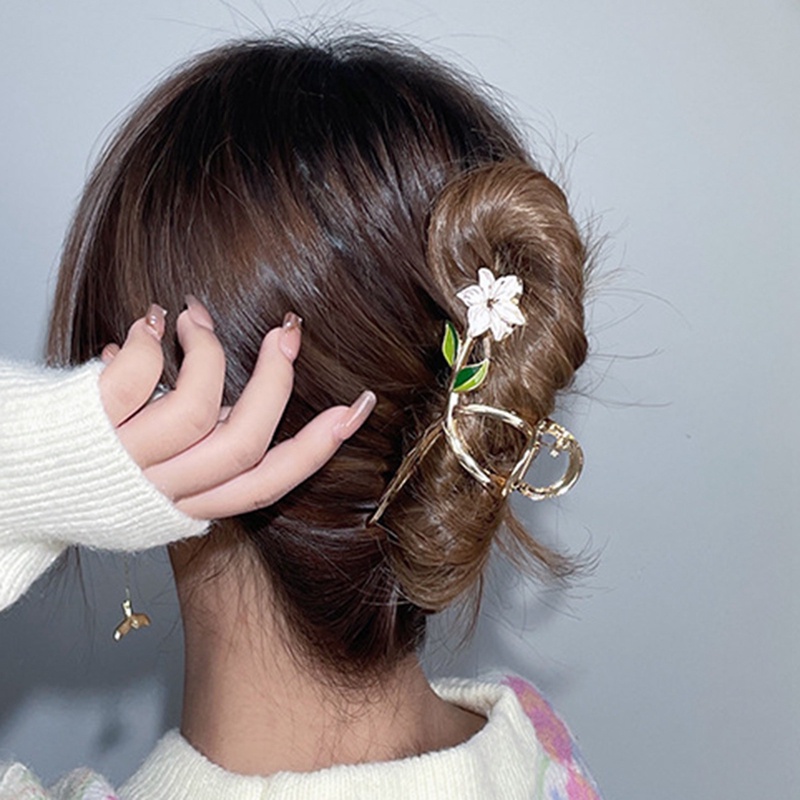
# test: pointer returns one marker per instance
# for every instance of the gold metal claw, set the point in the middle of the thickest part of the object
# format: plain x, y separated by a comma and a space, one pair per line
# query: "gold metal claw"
564, 442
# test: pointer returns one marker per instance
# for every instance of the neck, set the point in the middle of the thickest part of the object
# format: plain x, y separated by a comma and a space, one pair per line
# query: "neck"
252, 709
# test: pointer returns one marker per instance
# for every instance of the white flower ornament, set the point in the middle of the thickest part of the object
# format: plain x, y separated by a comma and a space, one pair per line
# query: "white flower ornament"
492, 304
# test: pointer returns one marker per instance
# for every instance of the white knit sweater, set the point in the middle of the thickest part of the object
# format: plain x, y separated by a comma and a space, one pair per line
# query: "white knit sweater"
524, 752
65, 478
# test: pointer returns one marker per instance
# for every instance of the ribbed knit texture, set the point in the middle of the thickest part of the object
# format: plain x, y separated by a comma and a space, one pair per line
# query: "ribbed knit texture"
524, 752
65, 477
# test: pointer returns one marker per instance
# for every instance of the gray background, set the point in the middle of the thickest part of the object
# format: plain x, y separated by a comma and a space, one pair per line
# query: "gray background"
676, 662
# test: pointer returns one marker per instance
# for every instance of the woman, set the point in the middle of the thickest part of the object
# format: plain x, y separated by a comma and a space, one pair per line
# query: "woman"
377, 194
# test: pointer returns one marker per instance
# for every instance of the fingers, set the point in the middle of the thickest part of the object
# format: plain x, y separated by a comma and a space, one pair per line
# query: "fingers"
214, 460
285, 466
240, 443
186, 415
131, 376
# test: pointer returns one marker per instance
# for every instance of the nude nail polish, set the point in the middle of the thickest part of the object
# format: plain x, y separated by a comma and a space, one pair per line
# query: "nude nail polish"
356, 414
198, 312
291, 334
154, 320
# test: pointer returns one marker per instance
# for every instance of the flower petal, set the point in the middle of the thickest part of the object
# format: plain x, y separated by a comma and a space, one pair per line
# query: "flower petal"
486, 280
479, 318
509, 312
507, 288
472, 295
499, 328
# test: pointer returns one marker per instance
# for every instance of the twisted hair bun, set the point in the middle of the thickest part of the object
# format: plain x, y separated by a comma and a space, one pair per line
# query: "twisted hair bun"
511, 217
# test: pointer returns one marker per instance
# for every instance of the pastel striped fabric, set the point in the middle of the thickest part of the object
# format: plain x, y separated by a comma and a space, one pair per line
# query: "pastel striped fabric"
562, 774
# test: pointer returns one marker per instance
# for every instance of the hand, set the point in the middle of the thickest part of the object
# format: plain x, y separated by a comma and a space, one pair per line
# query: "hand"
210, 460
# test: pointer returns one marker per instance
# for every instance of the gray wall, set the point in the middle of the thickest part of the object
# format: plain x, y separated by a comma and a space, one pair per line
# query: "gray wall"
676, 662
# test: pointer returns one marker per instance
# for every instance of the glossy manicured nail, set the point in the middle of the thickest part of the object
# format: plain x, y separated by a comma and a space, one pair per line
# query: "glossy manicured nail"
155, 320
198, 312
291, 333
357, 413
109, 353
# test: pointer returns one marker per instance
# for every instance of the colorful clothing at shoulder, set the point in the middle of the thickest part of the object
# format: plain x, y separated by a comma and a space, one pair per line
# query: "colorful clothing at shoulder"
563, 774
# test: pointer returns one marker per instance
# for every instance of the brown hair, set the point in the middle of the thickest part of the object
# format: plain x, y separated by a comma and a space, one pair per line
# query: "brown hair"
360, 184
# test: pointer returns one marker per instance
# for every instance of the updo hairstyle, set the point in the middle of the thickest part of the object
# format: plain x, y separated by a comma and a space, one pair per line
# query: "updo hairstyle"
360, 184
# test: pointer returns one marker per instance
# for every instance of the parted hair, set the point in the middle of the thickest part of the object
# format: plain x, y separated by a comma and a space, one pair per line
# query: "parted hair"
360, 183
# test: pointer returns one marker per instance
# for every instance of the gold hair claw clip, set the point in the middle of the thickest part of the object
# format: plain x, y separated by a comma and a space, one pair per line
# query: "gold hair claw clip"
492, 307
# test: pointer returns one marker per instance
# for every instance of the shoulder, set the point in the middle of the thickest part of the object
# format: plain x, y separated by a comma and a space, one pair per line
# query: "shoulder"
17, 782
571, 777
529, 722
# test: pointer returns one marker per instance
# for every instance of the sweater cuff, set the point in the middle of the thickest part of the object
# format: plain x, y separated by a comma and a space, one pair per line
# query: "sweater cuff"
21, 564
66, 476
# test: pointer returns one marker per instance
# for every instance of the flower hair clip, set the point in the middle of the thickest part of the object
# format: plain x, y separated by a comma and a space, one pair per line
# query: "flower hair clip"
492, 308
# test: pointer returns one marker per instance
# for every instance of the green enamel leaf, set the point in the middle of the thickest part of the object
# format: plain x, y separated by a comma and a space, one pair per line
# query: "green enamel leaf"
450, 343
471, 376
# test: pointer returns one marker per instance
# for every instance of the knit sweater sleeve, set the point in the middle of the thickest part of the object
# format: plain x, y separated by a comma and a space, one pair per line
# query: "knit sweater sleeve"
65, 477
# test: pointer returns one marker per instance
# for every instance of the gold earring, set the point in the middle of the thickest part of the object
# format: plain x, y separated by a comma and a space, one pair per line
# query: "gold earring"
131, 620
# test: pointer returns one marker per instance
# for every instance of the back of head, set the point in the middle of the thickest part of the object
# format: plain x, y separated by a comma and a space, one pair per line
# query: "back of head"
360, 184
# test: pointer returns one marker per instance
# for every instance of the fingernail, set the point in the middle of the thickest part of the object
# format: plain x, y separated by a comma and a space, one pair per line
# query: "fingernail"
291, 333
155, 320
357, 413
109, 353
198, 312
